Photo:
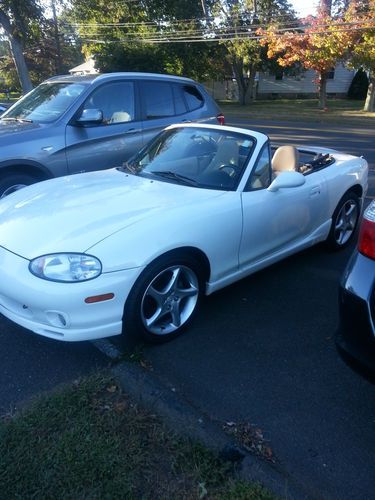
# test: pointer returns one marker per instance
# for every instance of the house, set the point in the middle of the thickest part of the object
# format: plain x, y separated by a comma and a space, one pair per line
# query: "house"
272, 86
87, 68
304, 84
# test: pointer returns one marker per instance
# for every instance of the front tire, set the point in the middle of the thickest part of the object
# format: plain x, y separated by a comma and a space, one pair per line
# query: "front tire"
164, 299
344, 221
11, 183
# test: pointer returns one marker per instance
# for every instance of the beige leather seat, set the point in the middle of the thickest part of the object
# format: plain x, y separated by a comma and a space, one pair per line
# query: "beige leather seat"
285, 159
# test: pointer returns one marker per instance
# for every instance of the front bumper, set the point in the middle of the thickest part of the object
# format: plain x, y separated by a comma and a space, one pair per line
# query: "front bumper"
58, 310
356, 333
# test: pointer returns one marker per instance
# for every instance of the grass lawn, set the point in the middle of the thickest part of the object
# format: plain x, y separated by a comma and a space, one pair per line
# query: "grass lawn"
339, 111
89, 441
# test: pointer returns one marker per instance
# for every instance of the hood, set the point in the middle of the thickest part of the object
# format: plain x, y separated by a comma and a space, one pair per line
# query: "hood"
71, 214
14, 127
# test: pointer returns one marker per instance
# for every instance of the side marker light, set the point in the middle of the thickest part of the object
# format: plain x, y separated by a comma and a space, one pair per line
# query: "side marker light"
99, 298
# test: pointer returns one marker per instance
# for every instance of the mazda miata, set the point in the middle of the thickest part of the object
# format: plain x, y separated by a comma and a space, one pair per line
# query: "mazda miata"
132, 249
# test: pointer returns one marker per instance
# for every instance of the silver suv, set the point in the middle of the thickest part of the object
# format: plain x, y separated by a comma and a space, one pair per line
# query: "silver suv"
72, 124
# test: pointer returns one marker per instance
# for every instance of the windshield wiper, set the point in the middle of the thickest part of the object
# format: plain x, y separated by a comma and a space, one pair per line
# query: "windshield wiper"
130, 167
174, 176
20, 120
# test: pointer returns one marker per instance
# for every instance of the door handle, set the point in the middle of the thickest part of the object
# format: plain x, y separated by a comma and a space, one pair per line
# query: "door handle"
133, 131
315, 191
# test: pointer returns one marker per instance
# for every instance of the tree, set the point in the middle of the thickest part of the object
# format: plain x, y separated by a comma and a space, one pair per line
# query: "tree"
363, 51
41, 55
319, 45
140, 36
18, 19
240, 20
359, 85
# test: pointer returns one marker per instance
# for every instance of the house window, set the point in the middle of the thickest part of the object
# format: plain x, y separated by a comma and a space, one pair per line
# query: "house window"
331, 74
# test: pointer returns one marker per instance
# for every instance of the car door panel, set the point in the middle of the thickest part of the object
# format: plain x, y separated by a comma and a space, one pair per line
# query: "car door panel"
111, 142
276, 221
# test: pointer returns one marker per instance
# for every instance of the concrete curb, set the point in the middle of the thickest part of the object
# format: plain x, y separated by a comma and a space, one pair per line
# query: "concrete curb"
147, 390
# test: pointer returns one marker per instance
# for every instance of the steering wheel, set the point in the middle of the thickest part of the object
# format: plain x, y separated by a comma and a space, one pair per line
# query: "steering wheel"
203, 139
229, 169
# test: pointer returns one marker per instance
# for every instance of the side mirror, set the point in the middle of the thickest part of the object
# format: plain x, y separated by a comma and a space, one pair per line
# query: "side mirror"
90, 116
287, 180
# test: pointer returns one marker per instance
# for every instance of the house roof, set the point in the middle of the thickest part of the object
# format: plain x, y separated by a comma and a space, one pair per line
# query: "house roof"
87, 67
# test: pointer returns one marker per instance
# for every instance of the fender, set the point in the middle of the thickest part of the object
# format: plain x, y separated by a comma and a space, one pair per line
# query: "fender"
25, 166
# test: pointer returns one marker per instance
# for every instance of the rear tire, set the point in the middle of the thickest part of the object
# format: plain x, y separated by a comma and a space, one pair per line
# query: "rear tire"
164, 299
13, 182
344, 221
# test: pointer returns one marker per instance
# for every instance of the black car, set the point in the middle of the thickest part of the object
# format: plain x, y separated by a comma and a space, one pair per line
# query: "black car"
355, 338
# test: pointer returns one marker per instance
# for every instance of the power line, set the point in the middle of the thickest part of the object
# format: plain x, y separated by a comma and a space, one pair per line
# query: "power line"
159, 22
230, 37
241, 30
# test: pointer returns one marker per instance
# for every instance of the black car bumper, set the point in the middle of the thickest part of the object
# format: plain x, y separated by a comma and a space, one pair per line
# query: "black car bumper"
356, 334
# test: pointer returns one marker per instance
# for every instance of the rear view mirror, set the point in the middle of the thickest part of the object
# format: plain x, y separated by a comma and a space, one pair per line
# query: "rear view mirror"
287, 180
90, 116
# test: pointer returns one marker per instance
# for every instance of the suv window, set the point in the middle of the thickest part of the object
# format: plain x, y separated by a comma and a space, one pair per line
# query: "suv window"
193, 97
115, 100
158, 99
46, 103
179, 100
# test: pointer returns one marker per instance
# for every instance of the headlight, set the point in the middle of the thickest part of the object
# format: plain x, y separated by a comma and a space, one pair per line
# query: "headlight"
66, 267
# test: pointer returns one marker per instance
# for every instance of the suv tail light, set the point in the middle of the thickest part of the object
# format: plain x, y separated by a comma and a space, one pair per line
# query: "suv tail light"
366, 243
220, 118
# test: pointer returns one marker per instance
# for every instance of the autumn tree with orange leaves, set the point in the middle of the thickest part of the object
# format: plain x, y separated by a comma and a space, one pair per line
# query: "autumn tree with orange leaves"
319, 44
363, 52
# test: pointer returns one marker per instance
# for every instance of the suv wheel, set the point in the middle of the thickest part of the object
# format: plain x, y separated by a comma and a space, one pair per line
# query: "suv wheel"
12, 183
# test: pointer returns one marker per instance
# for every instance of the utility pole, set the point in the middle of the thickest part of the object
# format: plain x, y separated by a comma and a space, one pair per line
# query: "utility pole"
57, 38
204, 8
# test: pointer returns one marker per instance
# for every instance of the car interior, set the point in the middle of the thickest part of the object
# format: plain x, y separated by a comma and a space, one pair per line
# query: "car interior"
290, 159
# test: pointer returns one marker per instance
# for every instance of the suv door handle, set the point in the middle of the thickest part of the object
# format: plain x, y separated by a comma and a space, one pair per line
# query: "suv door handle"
133, 131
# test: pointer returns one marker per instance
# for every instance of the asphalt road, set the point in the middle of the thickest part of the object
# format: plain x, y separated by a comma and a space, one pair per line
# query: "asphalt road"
261, 351
30, 364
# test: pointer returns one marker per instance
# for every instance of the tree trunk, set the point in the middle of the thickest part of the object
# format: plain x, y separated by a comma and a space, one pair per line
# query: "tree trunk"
252, 87
57, 38
370, 99
241, 82
241, 90
17, 52
19, 61
326, 7
323, 91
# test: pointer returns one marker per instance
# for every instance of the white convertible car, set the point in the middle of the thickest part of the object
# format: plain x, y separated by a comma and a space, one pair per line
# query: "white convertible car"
132, 249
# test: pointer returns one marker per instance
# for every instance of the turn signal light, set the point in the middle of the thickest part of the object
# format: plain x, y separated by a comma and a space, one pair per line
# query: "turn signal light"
99, 298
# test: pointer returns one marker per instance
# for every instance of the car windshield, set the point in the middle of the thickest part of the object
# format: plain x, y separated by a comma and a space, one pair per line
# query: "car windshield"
45, 103
200, 157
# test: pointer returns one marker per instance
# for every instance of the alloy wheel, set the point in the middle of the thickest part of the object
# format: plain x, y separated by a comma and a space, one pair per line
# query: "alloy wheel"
346, 221
169, 300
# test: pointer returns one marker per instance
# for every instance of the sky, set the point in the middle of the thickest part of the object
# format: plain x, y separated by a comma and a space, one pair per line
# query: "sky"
304, 7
